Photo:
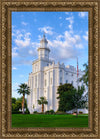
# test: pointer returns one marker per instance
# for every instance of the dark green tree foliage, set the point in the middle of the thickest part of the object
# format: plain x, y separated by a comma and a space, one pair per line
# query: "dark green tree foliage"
65, 92
85, 76
14, 104
17, 104
79, 99
70, 97
13, 100
20, 101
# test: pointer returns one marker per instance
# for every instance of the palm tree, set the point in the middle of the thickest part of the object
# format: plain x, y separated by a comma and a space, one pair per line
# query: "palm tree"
42, 101
23, 89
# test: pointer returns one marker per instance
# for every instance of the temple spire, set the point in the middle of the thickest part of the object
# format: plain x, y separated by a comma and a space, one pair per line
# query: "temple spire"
44, 34
43, 50
44, 41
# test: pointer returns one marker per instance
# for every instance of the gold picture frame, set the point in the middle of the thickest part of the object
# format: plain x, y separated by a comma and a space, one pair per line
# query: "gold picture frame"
6, 7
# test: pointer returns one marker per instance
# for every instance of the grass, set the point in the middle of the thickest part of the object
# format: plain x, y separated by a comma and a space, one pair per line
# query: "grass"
41, 120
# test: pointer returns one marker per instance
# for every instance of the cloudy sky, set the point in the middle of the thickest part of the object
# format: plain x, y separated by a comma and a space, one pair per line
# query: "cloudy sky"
67, 35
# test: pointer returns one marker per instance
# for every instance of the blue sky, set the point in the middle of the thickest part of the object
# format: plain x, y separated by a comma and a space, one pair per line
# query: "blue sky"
67, 35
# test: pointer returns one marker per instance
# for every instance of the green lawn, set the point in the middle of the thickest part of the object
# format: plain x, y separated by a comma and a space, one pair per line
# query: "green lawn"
37, 120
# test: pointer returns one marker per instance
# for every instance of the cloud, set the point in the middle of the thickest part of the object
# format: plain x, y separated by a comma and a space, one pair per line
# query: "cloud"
65, 46
22, 43
35, 44
67, 13
14, 52
79, 46
23, 40
71, 21
47, 30
21, 62
23, 49
31, 52
59, 37
21, 76
24, 23
86, 36
39, 37
14, 87
60, 17
82, 14
14, 68
70, 26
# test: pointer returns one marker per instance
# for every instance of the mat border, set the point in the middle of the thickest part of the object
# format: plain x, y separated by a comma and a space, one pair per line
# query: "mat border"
5, 63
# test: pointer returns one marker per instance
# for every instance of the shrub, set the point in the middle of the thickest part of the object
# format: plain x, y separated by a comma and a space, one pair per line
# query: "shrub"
35, 112
16, 112
27, 111
60, 112
75, 112
80, 112
41, 113
51, 112
47, 112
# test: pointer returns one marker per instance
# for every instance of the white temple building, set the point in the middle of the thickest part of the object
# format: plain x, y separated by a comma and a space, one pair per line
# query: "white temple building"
45, 78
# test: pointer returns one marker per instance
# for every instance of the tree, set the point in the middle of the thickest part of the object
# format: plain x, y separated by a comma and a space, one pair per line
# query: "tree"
20, 100
17, 104
70, 97
79, 99
13, 100
23, 89
14, 104
65, 93
84, 78
42, 101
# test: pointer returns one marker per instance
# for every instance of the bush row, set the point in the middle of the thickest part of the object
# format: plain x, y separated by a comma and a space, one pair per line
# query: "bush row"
47, 112
50, 112
16, 112
19, 112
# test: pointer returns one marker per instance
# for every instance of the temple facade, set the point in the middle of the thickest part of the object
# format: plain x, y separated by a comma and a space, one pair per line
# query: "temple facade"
45, 78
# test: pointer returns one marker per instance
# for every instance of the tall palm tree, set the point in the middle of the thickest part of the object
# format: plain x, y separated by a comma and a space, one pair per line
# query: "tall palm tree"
42, 101
23, 89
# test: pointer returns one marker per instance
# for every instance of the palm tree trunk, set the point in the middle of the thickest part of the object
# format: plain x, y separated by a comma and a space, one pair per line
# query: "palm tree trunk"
42, 107
23, 104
